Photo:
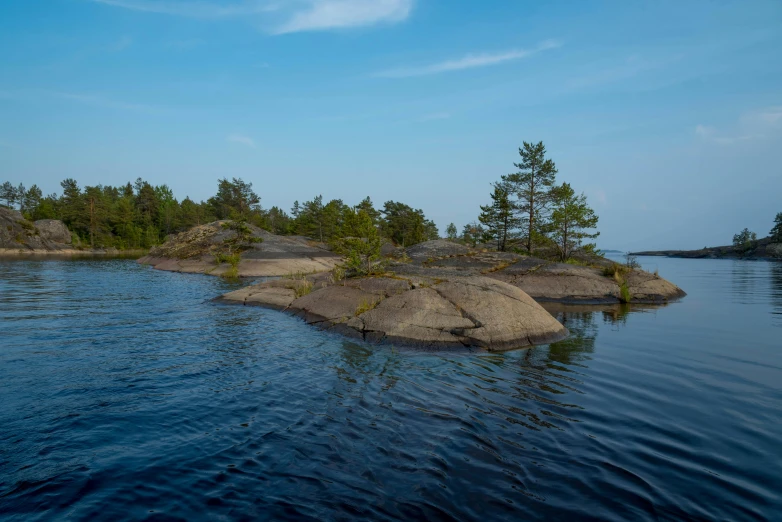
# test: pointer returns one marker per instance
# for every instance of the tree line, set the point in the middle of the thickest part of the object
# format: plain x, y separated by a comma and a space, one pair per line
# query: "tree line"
746, 240
141, 215
530, 212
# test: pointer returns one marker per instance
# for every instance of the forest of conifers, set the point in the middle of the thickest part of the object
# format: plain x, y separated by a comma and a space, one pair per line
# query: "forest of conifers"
141, 215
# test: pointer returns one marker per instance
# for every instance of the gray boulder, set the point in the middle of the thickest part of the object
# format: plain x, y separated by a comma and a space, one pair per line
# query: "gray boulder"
471, 311
53, 230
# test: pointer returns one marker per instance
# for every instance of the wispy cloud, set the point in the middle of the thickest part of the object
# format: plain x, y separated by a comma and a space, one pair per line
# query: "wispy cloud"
241, 139
289, 16
770, 115
469, 61
752, 125
706, 133
332, 14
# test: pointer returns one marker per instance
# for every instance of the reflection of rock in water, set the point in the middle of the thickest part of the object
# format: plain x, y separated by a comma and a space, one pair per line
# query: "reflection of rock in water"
583, 333
776, 292
359, 363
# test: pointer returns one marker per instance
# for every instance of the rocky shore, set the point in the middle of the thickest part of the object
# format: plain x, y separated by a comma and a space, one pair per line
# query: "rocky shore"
45, 237
434, 294
194, 252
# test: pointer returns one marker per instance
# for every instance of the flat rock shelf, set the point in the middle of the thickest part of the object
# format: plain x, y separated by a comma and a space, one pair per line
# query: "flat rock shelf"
473, 311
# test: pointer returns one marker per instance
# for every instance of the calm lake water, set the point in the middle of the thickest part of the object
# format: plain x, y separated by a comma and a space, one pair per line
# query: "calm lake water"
127, 394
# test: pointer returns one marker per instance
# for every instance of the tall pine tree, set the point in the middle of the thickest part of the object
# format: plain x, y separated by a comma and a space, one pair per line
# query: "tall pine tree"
500, 216
532, 184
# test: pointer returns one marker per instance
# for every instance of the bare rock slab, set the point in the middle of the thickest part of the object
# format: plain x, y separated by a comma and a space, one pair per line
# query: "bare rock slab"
471, 311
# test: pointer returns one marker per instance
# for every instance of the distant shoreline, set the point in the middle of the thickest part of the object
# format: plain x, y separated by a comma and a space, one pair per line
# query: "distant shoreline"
72, 252
763, 249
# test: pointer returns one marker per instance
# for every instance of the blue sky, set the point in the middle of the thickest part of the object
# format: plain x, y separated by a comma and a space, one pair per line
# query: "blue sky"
668, 115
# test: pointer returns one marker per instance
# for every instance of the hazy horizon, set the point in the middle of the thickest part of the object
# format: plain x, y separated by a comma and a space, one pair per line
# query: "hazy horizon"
668, 116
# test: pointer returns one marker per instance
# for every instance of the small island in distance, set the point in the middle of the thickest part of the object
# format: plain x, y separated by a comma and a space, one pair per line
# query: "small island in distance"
745, 245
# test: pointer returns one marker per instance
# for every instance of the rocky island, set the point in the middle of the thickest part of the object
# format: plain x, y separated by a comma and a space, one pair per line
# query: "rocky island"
436, 293
44, 236
765, 248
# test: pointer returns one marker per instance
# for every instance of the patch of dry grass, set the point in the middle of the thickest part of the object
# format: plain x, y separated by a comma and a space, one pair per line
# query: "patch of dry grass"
367, 305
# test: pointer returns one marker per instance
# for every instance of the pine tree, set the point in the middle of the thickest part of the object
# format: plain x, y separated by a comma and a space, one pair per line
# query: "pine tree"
472, 233
451, 232
362, 248
21, 193
744, 240
500, 216
571, 218
32, 199
72, 206
532, 184
776, 232
8, 193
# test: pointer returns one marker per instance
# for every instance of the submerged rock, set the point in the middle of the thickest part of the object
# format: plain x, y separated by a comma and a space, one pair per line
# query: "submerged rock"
463, 311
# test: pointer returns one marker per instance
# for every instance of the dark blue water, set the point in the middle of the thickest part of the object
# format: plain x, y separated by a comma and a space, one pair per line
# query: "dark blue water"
126, 394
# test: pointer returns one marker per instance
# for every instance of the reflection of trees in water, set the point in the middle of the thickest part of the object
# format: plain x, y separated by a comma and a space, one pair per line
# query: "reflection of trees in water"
743, 279
776, 292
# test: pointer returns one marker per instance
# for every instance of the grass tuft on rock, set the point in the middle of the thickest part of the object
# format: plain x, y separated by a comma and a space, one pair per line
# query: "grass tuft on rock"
303, 288
367, 305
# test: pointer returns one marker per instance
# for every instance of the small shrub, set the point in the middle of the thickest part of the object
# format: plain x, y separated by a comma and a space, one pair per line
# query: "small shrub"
631, 262
300, 285
337, 274
231, 273
27, 225
231, 259
367, 305
624, 293
303, 288
614, 269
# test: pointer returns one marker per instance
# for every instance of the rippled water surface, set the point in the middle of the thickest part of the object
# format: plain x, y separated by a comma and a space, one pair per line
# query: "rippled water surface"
126, 394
